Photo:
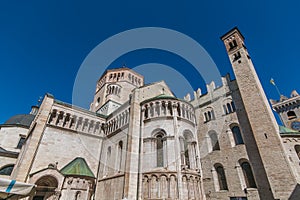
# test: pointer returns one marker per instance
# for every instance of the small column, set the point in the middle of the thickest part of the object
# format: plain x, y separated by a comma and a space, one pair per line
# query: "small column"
73, 122
78, 124
91, 126
53, 117
59, 119
165, 153
67, 120
157, 109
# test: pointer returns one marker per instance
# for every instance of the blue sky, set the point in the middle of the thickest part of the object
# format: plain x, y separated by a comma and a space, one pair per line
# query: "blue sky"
44, 43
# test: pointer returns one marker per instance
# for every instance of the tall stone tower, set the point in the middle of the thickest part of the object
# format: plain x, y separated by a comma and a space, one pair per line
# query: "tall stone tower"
113, 88
270, 159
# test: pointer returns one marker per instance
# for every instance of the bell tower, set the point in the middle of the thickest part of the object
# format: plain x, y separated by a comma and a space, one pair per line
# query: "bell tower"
270, 159
288, 110
113, 89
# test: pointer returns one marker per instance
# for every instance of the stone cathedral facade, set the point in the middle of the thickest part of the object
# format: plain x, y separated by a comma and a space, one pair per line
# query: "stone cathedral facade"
139, 141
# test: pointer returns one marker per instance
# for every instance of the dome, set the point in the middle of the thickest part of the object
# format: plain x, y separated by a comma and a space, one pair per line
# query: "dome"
23, 120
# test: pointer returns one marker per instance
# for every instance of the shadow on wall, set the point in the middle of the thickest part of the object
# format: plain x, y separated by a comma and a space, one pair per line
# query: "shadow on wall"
296, 193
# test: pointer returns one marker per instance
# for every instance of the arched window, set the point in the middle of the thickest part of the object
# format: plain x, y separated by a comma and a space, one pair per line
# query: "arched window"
159, 151
214, 141
107, 163
234, 43
231, 45
119, 161
21, 141
113, 89
206, 117
7, 170
182, 155
237, 135
297, 149
188, 150
291, 115
249, 178
46, 187
209, 115
229, 108
221, 177
186, 154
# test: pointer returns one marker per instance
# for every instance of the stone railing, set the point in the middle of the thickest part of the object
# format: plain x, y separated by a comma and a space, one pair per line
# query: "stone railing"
168, 107
117, 121
164, 185
75, 121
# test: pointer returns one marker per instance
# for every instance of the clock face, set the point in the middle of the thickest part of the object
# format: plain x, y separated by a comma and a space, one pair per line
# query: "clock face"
296, 125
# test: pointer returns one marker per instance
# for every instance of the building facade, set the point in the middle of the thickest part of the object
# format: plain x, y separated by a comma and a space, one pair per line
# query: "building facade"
139, 141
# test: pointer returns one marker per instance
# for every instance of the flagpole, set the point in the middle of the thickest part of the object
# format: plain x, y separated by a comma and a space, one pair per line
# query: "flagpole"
273, 83
278, 90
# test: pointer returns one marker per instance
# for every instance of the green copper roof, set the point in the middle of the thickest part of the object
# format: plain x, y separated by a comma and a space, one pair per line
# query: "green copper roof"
77, 167
285, 130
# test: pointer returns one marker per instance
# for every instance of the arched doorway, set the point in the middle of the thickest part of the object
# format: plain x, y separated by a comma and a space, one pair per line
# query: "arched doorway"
46, 187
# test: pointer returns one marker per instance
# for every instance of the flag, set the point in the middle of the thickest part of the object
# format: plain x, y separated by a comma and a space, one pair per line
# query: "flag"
272, 81
12, 187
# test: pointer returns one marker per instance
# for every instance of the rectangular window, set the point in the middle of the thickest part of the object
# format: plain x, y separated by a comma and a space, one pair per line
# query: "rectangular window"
21, 142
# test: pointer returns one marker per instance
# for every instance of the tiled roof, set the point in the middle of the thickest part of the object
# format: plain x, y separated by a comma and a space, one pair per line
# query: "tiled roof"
23, 120
285, 130
77, 167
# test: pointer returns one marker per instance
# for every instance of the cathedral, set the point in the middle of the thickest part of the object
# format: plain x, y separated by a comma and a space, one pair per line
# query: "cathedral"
139, 141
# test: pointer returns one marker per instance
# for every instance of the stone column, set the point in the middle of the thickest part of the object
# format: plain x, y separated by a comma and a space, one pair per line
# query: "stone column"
177, 154
132, 157
30, 149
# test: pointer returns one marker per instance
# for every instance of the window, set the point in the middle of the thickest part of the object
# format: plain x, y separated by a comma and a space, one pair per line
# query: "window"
237, 56
237, 135
221, 177
186, 154
188, 150
38, 198
107, 163
234, 43
209, 115
21, 142
297, 149
6, 170
229, 108
249, 178
119, 161
214, 141
46, 187
291, 115
159, 151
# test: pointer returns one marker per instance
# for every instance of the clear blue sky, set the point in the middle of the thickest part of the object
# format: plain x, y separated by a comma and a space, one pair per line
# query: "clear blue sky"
42, 44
